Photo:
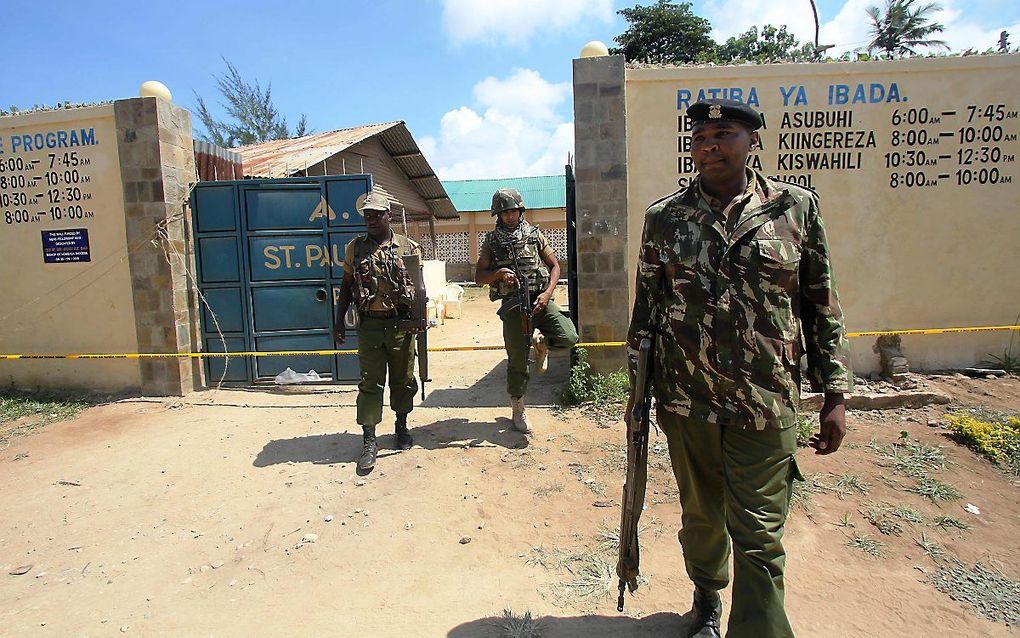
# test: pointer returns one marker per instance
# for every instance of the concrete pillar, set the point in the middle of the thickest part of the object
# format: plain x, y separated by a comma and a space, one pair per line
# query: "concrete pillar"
157, 166
600, 146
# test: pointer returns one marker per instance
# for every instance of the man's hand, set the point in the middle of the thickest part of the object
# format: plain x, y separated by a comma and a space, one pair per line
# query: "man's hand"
506, 276
340, 335
832, 425
541, 302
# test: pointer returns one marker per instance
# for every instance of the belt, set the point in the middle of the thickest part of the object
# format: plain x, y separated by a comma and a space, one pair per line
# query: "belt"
380, 314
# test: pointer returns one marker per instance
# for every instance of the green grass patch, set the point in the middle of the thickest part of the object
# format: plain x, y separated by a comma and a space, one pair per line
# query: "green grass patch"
911, 458
22, 412
594, 389
993, 435
805, 429
931, 548
847, 484
949, 522
866, 544
935, 490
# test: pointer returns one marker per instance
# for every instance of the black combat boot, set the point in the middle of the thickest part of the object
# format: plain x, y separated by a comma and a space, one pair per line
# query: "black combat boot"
404, 440
705, 614
368, 452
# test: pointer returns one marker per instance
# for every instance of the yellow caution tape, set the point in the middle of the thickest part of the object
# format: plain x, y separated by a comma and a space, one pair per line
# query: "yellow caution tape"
293, 353
929, 331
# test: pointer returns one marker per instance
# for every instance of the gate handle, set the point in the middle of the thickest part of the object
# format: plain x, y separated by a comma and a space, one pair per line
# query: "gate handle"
320, 295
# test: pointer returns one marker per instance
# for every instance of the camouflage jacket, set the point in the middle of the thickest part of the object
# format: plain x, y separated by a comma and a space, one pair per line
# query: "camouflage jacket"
530, 247
381, 283
735, 305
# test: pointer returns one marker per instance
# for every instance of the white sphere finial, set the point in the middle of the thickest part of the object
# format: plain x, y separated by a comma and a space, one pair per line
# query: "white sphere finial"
594, 49
155, 89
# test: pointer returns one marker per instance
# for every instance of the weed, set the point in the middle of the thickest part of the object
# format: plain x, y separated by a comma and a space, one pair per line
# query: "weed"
935, 490
599, 391
518, 625
866, 544
912, 458
1009, 361
992, 435
805, 429
594, 576
615, 459
32, 410
849, 484
907, 514
948, 522
990, 594
932, 549
880, 518
845, 521
545, 490
547, 558
802, 491
608, 538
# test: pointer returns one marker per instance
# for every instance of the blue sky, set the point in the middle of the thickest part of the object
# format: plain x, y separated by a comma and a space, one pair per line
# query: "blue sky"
484, 85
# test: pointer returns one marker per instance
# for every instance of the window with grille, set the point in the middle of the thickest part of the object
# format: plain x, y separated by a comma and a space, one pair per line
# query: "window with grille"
558, 240
452, 247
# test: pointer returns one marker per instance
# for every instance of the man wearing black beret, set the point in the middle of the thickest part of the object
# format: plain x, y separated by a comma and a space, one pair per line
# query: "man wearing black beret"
735, 283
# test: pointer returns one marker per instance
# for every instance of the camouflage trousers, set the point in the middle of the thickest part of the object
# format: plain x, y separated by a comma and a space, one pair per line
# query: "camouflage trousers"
557, 328
381, 349
735, 486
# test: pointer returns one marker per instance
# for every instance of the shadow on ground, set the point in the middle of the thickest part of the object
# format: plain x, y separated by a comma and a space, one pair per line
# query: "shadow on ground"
345, 447
661, 624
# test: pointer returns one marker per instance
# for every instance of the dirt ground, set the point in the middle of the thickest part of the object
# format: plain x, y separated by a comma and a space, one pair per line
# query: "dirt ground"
238, 513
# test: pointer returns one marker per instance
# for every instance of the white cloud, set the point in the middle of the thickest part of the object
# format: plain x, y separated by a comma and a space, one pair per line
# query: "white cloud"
512, 130
850, 28
512, 22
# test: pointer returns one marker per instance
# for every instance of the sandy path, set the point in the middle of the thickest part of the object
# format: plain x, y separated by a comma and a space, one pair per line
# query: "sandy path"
186, 517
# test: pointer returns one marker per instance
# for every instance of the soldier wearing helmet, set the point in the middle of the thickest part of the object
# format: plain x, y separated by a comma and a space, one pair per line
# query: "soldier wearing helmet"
515, 251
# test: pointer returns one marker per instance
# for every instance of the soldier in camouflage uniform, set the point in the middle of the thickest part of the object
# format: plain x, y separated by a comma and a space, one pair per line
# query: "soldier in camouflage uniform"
538, 264
735, 279
376, 280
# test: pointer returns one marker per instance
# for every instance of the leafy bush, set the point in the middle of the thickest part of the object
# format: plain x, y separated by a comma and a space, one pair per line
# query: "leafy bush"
587, 387
997, 438
805, 429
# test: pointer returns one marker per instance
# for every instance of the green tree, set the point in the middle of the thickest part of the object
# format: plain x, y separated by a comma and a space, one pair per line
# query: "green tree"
904, 27
768, 45
252, 116
665, 33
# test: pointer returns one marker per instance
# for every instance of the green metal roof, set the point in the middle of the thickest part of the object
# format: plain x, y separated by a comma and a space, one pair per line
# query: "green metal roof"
549, 191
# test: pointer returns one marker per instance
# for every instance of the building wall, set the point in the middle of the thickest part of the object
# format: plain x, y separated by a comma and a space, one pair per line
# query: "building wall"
71, 307
119, 173
460, 239
917, 240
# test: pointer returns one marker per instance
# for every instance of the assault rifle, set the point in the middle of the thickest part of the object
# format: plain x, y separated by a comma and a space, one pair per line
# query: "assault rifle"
523, 302
637, 472
419, 319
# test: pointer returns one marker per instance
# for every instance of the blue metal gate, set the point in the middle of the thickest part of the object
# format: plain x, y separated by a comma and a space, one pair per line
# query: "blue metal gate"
270, 262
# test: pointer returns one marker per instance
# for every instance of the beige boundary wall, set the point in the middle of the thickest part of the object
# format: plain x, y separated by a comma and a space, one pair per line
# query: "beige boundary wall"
91, 201
476, 223
916, 163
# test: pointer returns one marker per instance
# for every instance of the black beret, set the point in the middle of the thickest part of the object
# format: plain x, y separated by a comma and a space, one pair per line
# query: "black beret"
718, 110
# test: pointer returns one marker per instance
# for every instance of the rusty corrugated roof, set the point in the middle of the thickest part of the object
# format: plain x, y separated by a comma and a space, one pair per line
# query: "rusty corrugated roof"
284, 158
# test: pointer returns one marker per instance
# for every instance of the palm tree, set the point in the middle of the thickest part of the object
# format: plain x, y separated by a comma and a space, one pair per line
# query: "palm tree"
904, 27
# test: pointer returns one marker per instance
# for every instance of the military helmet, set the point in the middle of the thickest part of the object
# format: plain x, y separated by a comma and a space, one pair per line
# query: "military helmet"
375, 200
506, 199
